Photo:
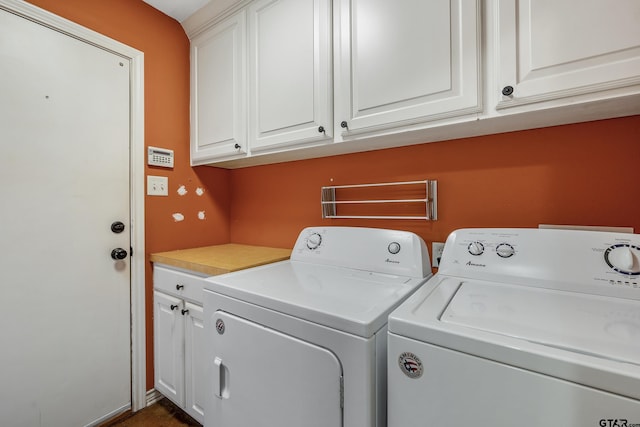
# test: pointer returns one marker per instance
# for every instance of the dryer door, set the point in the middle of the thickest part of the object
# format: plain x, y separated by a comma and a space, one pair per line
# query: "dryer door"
262, 377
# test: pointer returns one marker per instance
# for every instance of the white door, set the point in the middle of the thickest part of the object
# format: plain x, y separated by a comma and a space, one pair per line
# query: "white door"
263, 378
290, 73
551, 49
405, 62
64, 179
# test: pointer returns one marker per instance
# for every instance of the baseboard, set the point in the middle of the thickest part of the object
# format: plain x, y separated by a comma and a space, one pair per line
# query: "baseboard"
153, 396
125, 412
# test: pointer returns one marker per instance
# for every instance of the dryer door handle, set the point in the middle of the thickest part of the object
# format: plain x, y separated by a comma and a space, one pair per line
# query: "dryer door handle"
220, 379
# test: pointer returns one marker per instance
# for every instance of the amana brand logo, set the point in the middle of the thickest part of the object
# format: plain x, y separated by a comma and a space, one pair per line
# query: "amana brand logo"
473, 264
410, 364
392, 261
220, 326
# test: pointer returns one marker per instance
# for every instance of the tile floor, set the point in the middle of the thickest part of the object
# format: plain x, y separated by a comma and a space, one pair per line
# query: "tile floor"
160, 414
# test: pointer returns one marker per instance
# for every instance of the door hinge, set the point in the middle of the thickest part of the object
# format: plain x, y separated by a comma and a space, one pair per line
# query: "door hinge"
342, 392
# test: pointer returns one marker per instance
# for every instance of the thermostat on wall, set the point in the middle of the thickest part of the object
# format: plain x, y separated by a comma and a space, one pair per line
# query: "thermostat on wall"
160, 157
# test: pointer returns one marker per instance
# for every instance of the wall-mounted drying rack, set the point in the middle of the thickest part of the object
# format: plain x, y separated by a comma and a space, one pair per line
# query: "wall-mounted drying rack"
389, 200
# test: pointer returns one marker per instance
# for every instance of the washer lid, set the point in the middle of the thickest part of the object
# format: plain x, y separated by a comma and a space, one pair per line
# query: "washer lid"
567, 335
349, 300
599, 326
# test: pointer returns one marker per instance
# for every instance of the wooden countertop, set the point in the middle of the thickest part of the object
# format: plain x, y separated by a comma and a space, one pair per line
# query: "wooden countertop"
220, 259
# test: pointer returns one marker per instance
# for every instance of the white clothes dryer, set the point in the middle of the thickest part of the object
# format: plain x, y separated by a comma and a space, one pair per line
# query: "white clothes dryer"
303, 342
521, 327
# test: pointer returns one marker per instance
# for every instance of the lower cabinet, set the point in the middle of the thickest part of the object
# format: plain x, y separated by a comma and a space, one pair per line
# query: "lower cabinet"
194, 362
179, 339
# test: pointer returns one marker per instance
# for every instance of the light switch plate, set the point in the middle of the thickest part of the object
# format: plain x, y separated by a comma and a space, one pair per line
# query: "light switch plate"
157, 185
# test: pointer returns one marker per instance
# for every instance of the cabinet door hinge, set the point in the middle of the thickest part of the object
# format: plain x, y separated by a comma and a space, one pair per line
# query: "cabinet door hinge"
342, 392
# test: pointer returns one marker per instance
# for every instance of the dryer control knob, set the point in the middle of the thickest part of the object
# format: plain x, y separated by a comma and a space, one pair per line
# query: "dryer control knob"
475, 248
394, 248
623, 258
505, 250
314, 241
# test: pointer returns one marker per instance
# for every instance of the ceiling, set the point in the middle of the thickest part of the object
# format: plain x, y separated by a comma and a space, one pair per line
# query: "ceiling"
177, 9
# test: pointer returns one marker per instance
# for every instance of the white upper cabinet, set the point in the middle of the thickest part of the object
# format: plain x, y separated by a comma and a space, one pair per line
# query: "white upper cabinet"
279, 80
550, 49
290, 90
405, 62
218, 91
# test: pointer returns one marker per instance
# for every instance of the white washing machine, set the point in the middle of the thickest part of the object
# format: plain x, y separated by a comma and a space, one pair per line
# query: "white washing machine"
521, 327
302, 343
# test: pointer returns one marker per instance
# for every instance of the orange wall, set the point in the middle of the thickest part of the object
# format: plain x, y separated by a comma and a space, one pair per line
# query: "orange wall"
586, 174
166, 61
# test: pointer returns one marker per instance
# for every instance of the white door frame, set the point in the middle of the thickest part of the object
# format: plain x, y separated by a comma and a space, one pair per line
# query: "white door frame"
136, 61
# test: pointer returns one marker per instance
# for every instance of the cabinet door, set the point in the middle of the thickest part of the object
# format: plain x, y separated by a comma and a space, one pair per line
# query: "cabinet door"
290, 90
264, 378
168, 324
218, 92
194, 362
549, 49
405, 62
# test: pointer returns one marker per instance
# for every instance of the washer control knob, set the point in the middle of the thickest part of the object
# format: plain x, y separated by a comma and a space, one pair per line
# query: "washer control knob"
623, 258
394, 248
505, 250
314, 241
475, 248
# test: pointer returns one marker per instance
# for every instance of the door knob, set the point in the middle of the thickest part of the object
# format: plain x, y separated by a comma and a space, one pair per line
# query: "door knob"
118, 254
117, 227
